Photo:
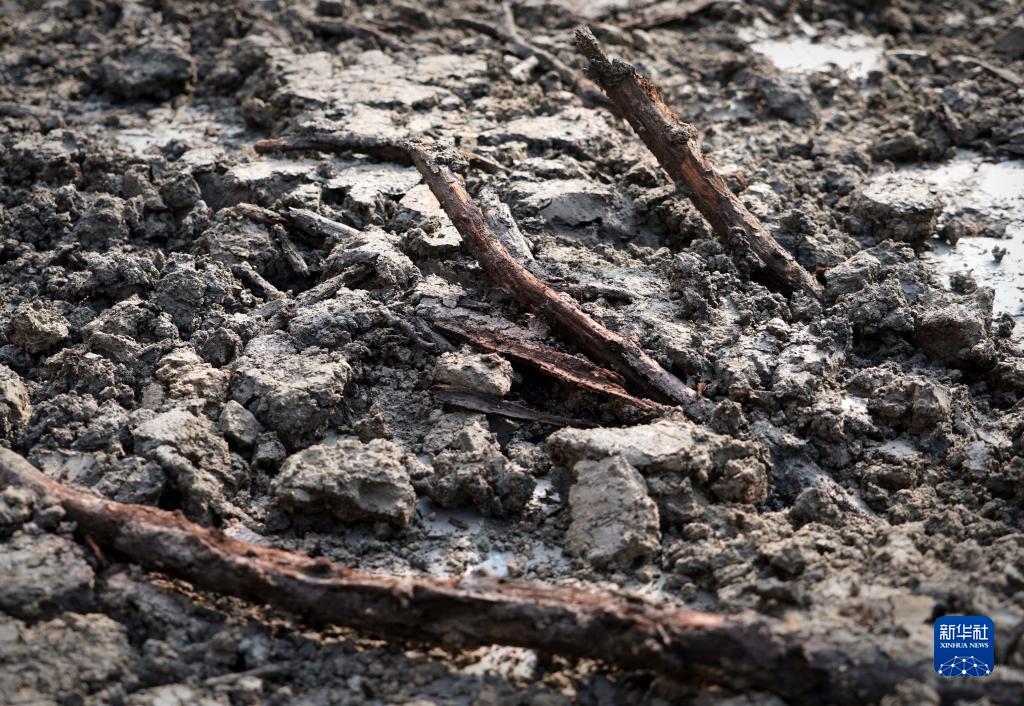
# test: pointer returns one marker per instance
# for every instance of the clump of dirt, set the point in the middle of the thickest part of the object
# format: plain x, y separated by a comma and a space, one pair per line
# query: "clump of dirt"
859, 470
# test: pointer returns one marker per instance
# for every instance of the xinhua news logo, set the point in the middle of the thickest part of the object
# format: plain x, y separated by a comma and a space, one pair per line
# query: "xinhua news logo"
964, 646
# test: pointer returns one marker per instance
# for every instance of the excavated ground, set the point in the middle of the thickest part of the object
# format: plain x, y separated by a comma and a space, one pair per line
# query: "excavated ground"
860, 475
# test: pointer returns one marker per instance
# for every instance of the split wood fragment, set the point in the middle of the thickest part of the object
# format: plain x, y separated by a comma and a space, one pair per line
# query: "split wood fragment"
473, 611
291, 253
311, 137
567, 368
677, 147
492, 404
562, 312
317, 226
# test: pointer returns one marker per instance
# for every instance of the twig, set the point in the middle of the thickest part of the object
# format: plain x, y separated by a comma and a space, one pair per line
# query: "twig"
492, 404
458, 613
565, 315
743, 652
312, 137
506, 31
564, 367
676, 145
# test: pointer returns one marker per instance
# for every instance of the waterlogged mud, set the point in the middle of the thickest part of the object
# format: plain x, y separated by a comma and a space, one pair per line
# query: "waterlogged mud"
859, 470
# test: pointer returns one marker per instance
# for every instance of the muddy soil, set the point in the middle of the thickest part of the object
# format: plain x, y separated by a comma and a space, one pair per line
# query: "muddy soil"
859, 473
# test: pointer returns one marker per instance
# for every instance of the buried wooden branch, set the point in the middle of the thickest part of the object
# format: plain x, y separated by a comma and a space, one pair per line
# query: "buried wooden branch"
324, 139
485, 236
492, 404
741, 652
311, 137
677, 147
317, 226
291, 253
506, 31
562, 312
569, 369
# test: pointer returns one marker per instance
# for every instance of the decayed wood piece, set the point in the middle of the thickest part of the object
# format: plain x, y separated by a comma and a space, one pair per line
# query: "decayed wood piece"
567, 368
741, 652
255, 282
562, 312
312, 137
290, 252
317, 226
325, 139
492, 404
676, 145
506, 31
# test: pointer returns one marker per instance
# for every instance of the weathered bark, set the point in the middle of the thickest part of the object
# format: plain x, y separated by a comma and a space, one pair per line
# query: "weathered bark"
569, 369
308, 223
326, 140
676, 145
474, 611
564, 314
317, 226
492, 404
255, 282
290, 252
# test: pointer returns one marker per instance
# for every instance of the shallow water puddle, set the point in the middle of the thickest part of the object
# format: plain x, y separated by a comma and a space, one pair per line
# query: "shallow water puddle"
856, 54
991, 190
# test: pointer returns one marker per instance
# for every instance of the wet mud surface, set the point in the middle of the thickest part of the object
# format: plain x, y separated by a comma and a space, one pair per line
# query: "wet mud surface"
859, 472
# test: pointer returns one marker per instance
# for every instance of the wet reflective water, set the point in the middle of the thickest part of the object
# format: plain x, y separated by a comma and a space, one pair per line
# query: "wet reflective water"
983, 191
857, 54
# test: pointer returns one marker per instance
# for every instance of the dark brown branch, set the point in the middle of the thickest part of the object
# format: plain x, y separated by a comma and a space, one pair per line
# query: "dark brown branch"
569, 369
492, 404
563, 313
676, 144
456, 613
312, 137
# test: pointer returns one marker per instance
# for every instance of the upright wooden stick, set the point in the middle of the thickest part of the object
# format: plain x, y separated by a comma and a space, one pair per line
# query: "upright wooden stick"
677, 147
